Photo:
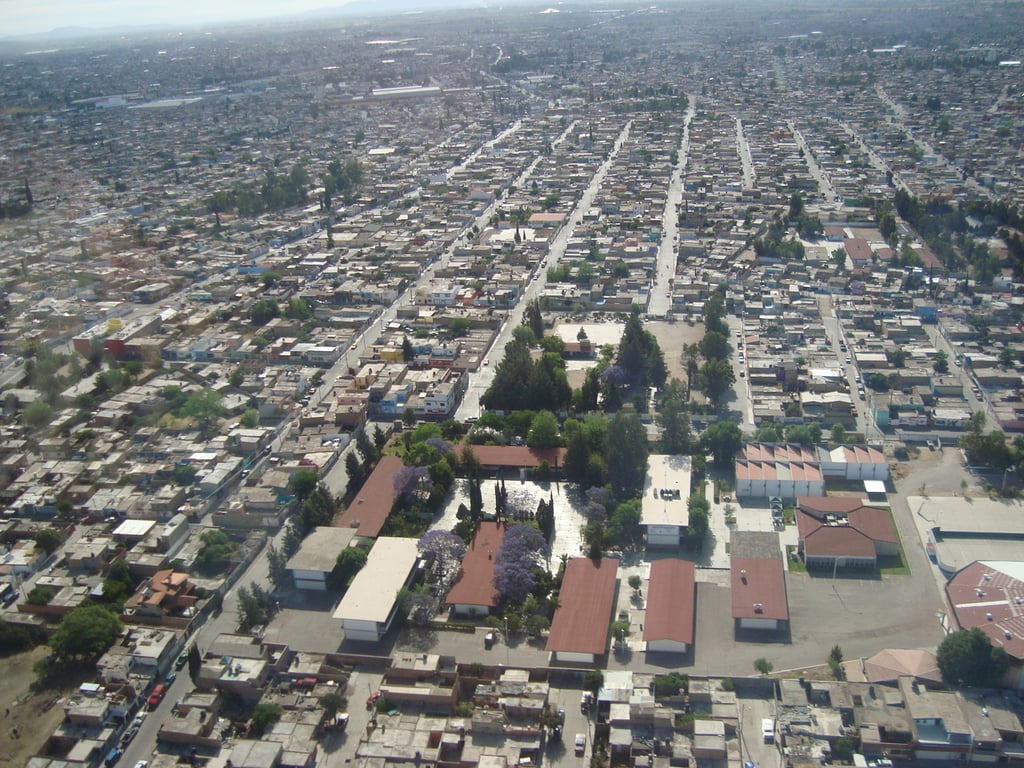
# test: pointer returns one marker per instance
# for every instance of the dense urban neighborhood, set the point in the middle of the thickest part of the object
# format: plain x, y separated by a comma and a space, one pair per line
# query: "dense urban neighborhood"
585, 385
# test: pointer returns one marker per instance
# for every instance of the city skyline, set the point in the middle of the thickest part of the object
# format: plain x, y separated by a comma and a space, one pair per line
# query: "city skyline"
24, 17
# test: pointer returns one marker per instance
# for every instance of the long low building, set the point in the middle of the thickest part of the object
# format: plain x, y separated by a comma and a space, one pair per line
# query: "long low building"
371, 602
579, 631
671, 603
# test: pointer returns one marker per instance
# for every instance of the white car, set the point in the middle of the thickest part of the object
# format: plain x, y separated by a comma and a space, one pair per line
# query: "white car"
580, 744
142, 764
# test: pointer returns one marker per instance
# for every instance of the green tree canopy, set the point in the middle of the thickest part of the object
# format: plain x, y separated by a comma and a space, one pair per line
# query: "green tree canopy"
722, 439
87, 632
543, 431
626, 454
304, 482
37, 414
968, 658
349, 563
215, 553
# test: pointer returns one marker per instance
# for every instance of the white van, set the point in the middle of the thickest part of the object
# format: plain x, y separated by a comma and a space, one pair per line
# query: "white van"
768, 730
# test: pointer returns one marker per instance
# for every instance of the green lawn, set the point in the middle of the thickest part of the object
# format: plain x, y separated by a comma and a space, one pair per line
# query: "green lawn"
796, 565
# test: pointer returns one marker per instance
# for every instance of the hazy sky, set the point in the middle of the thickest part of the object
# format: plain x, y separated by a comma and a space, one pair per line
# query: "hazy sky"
19, 17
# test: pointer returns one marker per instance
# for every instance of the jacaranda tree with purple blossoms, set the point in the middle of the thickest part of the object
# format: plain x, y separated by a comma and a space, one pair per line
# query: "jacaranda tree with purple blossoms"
411, 483
447, 551
521, 552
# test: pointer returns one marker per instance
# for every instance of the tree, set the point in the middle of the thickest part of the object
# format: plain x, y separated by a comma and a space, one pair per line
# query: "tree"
763, 666
941, 362
674, 420
626, 454
447, 551
195, 662
408, 352
118, 585
968, 658
722, 439
278, 572
350, 561
263, 311
835, 662
202, 406
533, 319
37, 414
635, 582
250, 419
640, 356
237, 377
671, 684
543, 431
796, 206
520, 552
331, 703
254, 606
593, 681
264, 715
715, 378
87, 632
304, 482
14, 639
838, 434
697, 529
215, 553
48, 539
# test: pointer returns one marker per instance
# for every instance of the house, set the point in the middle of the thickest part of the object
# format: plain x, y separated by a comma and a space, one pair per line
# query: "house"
759, 600
317, 556
473, 593
671, 604
165, 593
371, 602
579, 631
664, 513
520, 458
842, 532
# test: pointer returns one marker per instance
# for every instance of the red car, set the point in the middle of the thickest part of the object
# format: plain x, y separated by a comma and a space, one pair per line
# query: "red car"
370, 702
157, 695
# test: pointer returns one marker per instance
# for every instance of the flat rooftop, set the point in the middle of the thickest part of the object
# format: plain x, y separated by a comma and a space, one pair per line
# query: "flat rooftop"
372, 593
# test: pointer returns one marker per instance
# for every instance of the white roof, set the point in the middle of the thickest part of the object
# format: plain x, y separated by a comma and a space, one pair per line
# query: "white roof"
372, 593
134, 528
666, 473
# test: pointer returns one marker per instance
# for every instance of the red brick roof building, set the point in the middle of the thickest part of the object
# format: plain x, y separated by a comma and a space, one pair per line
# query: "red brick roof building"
671, 600
370, 508
759, 598
841, 532
473, 592
579, 632
989, 595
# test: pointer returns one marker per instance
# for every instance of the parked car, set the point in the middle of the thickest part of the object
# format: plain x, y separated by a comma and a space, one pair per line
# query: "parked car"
585, 700
580, 744
181, 661
157, 695
171, 677
128, 735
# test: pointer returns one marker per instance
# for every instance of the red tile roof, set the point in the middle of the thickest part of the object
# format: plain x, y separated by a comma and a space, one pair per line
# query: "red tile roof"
372, 505
671, 599
759, 589
983, 589
857, 537
475, 583
584, 613
516, 456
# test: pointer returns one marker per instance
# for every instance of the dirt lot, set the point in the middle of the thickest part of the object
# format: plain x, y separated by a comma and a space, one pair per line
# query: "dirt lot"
29, 717
671, 338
